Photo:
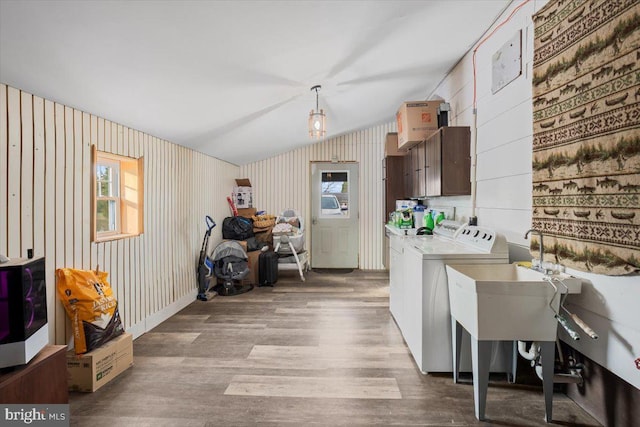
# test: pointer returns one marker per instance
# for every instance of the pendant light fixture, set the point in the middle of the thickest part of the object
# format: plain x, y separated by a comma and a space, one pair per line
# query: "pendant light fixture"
317, 119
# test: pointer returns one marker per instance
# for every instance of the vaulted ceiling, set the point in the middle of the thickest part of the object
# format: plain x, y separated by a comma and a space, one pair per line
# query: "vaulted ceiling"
232, 78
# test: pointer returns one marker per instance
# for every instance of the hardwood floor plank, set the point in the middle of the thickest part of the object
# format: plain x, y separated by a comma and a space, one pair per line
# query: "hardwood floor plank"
348, 304
311, 289
180, 338
326, 352
332, 311
189, 318
314, 387
139, 422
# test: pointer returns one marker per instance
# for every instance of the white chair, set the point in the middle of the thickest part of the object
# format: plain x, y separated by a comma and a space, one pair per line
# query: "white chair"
288, 242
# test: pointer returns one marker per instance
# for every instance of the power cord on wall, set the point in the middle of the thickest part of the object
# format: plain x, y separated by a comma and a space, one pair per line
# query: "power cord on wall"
474, 155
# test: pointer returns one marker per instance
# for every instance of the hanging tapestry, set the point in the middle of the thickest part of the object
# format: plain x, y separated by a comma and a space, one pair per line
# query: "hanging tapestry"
586, 134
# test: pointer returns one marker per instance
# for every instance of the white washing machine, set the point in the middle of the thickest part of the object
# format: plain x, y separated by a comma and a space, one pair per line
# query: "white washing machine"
419, 296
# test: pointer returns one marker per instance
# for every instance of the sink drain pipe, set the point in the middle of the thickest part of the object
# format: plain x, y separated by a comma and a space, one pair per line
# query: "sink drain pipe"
533, 354
572, 377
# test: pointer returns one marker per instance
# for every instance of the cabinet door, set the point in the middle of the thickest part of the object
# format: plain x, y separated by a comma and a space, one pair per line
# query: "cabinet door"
385, 251
395, 284
433, 166
414, 171
456, 161
411, 326
420, 178
393, 182
408, 175
385, 189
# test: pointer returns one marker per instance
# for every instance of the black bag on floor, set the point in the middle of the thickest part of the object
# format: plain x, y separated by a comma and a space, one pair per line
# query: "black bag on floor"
267, 268
237, 228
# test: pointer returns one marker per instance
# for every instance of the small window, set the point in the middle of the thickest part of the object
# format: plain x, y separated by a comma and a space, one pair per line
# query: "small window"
335, 194
117, 196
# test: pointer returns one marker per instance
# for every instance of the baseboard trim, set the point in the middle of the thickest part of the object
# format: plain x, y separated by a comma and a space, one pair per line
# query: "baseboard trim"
163, 314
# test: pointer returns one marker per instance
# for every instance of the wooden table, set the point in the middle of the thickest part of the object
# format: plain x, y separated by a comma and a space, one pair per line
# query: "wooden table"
41, 381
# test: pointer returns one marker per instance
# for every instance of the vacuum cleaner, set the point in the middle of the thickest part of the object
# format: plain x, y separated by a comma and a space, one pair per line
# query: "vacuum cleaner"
203, 270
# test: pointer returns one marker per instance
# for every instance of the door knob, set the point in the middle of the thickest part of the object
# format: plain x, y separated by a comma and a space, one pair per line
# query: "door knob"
314, 220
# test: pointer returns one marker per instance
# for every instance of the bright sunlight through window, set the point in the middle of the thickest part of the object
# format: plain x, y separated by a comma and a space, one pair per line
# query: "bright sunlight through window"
117, 196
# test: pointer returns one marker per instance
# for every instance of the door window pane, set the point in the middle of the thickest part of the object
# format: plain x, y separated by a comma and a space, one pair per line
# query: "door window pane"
335, 194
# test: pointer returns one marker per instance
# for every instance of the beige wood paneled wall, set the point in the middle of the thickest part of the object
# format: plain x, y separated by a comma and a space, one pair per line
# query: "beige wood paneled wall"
45, 205
282, 182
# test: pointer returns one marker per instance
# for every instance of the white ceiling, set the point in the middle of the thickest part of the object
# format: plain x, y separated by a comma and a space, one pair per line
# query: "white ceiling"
232, 78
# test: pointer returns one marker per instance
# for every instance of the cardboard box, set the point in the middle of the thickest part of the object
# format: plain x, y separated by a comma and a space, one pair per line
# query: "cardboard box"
92, 370
243, 194
391, 145
416, 121
247, 212
253, 258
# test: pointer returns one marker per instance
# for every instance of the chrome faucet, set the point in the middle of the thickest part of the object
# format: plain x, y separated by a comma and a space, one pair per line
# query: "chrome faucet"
526, 235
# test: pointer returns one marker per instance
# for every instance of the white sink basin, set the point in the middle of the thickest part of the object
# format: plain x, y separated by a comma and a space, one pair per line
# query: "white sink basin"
505, 301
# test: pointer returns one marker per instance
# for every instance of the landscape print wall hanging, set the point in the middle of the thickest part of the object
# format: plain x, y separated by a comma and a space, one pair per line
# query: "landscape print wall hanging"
586, 134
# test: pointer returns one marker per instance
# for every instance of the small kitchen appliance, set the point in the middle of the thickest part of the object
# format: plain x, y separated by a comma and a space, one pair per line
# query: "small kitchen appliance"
23, 310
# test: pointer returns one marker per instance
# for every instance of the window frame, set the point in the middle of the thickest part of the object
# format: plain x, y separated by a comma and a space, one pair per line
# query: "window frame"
128, 195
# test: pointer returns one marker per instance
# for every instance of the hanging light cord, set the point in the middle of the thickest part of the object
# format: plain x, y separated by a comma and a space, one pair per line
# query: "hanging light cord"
316, 87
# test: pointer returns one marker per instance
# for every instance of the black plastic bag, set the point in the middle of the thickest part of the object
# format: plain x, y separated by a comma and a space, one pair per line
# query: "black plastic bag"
237, 228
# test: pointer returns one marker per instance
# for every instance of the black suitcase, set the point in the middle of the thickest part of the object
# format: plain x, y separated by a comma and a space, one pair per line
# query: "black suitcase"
267, 268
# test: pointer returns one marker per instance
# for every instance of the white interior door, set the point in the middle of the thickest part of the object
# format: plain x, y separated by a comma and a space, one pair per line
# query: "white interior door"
334, 215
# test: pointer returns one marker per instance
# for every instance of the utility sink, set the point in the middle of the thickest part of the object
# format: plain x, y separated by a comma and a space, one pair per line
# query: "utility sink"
506, 301
496, 302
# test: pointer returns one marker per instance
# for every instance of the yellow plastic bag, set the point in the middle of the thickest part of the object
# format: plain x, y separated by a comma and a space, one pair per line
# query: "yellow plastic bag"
91, 306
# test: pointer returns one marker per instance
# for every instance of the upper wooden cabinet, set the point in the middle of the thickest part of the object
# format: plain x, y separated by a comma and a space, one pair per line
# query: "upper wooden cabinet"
437, 166
448, 162
393, 177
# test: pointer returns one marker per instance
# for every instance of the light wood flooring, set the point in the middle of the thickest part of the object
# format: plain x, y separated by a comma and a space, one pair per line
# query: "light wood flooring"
324, 352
